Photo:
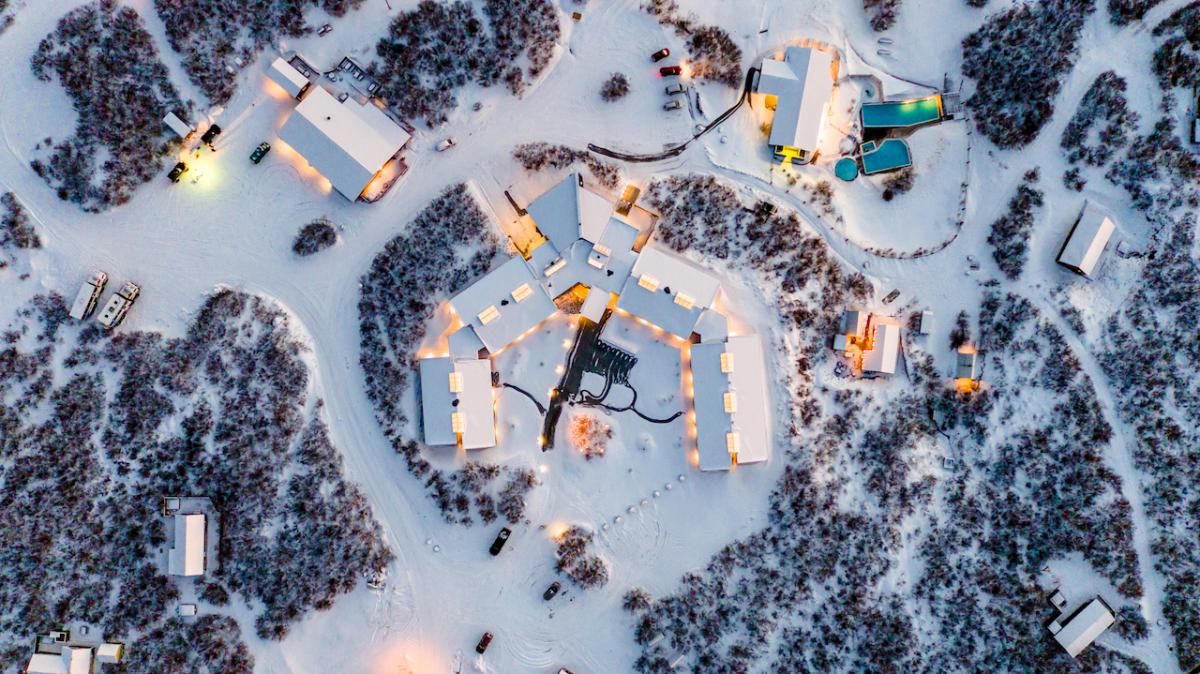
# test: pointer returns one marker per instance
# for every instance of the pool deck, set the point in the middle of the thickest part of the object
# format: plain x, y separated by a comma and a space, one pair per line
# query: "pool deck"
902, 114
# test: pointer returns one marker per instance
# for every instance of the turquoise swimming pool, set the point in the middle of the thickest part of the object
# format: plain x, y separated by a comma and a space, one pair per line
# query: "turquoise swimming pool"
889, 155
902, 114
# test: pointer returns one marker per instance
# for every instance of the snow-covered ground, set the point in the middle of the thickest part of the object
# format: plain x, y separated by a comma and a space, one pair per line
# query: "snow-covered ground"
656, 517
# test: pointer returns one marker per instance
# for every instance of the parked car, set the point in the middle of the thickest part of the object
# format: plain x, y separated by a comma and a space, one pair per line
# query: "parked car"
660, 55
501, 539
552, 591
260, 152
210, 134
484, 642
446, 144
675, 89
177, 172
891, 297
324, 30
670, 71
673, 105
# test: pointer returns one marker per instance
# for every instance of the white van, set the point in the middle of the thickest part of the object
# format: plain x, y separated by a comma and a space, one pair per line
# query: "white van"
88, 295
118, 305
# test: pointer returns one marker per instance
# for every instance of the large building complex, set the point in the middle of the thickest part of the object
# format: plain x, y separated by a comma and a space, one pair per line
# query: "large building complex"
799, 87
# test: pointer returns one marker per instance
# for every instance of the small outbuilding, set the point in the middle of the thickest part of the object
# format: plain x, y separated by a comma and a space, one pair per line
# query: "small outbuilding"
882, 352
1086, 242
965, 367
186, 555
1076, 632
457, 406
180, 127
289, 78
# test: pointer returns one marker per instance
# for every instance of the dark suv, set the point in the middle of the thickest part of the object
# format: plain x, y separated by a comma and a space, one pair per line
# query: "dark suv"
501, 539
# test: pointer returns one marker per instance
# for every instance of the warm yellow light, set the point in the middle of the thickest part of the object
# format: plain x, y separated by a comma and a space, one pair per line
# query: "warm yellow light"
523, 291
732, 441
726, 362
602, 249
456, 382
457, 422
558, 264
730, 402
648, 282
685, 300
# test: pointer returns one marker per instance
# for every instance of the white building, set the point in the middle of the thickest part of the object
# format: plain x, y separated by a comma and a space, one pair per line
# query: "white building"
884, 348
731, 401
63, 652
347, 142
569, 211
800, 88
503, 305
668, 291
457, 406
1078, 631
187, 555
291, 80
1084, 245
180, 127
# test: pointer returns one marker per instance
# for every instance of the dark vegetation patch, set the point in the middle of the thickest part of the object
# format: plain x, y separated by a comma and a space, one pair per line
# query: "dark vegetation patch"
1101, 126
1161, 404
1159, 172
575, 561
213, 643
1018, 59
97, 430
1009, 236
542, 156
215, 38
447, 246
1125, 12
894, 184
615, 87
436, 48
1177, 59
315, 237
16, 232
713, 54
106, 61
881, 13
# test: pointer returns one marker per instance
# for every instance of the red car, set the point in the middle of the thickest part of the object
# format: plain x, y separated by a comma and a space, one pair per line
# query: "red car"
668, 71
484, 642
660, 55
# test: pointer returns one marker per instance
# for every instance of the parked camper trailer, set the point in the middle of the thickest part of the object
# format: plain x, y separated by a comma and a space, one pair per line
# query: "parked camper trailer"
118, 305
88, 295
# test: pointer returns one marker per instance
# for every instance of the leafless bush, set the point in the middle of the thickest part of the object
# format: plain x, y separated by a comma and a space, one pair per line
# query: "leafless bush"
1009, 236
615, 87
1101, 126
541, 156
315, 237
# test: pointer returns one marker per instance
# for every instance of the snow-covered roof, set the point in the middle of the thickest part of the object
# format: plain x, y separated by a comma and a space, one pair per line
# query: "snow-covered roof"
456, 402
180, 127
464, 343
346, 142
604, 264
72, 660
287, 77
109, 653
504, 304
1087, 240
569, 211
885, 348
729, 383
965, 367
1082, 628
186, 557
803, 86
668, 291
854, 322
594, 305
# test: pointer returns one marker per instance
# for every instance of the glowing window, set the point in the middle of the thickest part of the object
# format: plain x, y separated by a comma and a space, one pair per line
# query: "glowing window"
732, 442
602, 249
488, 315
457, 422
522, 292
596, 262
648, 282
730, 402
555, 266
456, 382
726, 362
685, 300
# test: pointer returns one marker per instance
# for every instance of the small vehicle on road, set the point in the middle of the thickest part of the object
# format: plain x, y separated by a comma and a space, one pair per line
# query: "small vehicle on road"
670, 71
484, 642
552, 591
210, 134
673, 105
324, 30
177, 172
446, 144
660, 55
260, 152
675, 89
891, 297
501, 539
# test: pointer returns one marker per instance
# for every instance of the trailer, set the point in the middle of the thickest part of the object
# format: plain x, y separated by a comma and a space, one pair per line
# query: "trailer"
118, 305
88, 295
